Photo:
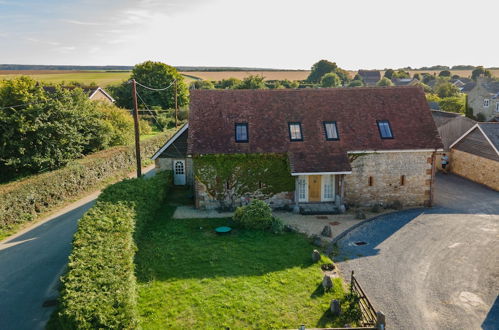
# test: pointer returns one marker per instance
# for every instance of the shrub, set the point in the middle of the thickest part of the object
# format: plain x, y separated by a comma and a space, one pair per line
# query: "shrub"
277, 226
24, 200
145, 127
99, 288
256, 215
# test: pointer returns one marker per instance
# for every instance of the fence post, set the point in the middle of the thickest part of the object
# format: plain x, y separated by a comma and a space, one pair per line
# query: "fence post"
380, 321
351, 283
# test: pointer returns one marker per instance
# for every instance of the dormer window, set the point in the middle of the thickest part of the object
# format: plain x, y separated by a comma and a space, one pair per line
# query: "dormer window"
242, 132
331, 130
486, 103
385, 130
295, 131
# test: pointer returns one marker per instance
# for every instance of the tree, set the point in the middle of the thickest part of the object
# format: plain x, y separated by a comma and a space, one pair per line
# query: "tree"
453, 104
479, 72
202, 84
444, 73
426, 88
330, 80
400, 74
427, 78
227, 83
416, 76
384, 82
356, 83
389, 74
252, 82
155, 75
446, 89
319, 69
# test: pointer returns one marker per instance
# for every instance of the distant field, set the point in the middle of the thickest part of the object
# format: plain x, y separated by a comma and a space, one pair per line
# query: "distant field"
101, 78
269, 75
460, 73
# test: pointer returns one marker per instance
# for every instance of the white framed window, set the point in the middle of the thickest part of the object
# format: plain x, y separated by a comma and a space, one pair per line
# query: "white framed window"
486, 103
241, 132
302, 189
328, 187
331, 130
295, 131
497, 106
385, 131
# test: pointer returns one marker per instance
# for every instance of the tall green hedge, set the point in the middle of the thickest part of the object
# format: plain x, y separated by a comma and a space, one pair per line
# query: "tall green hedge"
99, 289
24, 200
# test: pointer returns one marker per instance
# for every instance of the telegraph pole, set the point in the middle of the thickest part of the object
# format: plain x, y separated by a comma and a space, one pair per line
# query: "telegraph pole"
137, 131
176, 104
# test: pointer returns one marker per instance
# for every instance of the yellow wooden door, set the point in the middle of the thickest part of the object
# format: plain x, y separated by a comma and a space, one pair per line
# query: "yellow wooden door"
314, 188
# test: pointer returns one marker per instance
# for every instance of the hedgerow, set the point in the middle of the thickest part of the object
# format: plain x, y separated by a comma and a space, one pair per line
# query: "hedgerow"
24, 200
99, 289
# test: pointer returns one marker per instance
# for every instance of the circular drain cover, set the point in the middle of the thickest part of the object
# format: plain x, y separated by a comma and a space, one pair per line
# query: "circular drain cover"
360, 243
223, 230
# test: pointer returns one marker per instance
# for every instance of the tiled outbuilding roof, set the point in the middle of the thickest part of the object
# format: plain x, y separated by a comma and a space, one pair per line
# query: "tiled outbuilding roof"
214, 113
491, 130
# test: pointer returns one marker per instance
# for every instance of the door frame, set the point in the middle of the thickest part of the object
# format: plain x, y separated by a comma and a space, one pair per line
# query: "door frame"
323, 178
175, 175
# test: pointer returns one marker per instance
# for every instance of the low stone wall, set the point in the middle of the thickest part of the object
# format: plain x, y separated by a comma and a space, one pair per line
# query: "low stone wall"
388, 177
475, 168
205, 201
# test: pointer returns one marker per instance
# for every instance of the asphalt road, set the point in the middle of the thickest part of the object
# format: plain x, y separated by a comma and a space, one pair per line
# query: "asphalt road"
31, 263
435, 268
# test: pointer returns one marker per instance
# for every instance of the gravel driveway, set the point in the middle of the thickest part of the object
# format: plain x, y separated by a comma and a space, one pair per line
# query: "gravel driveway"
434, 268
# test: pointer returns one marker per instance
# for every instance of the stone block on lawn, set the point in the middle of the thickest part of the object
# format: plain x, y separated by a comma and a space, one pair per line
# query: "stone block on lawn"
317, 241
327, 283
316, 256
326, 231
360, 215
335, 307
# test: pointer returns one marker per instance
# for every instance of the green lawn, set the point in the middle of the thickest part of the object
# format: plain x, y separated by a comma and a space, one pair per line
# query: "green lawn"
189, 277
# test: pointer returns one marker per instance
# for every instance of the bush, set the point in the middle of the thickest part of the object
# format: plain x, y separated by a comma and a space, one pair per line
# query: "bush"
144, 127
99, 288
256, 215
277, 226
24, 200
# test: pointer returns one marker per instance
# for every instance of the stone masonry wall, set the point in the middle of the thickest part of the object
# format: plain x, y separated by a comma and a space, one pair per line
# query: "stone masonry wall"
386, 170
475, 168
163, 164
205, 201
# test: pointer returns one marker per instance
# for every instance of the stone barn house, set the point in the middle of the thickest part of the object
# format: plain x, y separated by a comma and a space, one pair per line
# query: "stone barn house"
475, 155
299, 148
370, 77
484, 98
94, 93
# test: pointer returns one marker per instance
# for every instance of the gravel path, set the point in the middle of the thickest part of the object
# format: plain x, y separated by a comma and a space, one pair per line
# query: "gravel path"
435, 268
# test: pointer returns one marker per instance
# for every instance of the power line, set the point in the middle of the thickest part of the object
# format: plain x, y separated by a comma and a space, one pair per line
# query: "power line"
152, 114
156, 89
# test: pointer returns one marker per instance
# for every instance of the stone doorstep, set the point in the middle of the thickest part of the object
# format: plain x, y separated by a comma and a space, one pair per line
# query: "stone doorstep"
318, 208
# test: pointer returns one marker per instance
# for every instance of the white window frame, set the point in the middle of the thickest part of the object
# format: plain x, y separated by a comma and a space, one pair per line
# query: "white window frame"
302, 182
328, 179
486, 103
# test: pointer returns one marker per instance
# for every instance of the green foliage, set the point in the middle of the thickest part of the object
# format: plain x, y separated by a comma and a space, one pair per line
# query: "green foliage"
426, 88
400, 74
232, 176
330, 80
480, 71
155, 75
256, 215
24, 200
444, 88
417, 76
444, 73
427, 78
202, 84
453, 104
44, 131
228, 83
468, 111
252, 82
356, 83
144, 127
322, 67
99, 288
384, 82
480, 117
430, 97
389, 74
277, 226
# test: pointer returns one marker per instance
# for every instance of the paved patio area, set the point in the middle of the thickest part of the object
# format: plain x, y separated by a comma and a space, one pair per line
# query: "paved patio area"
307, 224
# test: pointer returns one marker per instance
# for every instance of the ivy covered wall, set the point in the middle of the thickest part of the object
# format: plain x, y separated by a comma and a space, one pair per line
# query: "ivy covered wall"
229, 177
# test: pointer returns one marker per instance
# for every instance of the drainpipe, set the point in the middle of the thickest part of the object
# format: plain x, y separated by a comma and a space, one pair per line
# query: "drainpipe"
432, 180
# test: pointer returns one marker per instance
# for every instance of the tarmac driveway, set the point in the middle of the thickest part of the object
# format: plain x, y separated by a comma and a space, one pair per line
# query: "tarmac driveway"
432, 268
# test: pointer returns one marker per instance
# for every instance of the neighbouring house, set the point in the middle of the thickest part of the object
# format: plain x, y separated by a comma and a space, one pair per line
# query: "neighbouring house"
434, 105
451, 126
405, 81
296, 148
484, 98
370, 77
475, 155
94, 93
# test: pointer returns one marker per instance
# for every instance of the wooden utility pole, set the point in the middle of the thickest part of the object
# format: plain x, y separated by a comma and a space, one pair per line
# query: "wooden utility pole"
137, 131
176, 104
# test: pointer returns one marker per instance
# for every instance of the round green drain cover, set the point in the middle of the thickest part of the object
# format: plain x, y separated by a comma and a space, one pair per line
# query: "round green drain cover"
223, 230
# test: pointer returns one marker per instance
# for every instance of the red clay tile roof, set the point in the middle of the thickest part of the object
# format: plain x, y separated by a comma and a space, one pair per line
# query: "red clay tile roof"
213, 114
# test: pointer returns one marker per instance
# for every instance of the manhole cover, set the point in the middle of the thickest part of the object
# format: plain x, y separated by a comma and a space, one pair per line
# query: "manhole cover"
360, 243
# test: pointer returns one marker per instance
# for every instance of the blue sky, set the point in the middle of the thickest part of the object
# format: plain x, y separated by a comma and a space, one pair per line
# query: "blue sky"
258, 33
